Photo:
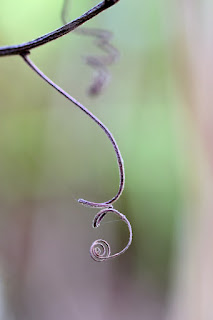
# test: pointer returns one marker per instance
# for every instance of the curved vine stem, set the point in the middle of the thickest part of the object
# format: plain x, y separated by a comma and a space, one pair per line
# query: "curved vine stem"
108, 203
100, 249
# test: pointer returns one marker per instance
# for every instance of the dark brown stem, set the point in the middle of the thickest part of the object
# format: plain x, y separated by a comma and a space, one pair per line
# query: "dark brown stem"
27, 46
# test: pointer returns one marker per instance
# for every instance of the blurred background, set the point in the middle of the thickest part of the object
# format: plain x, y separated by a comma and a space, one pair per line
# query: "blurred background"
158, 105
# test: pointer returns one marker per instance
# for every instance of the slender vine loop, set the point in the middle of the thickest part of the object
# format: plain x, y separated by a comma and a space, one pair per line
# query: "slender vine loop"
100, 249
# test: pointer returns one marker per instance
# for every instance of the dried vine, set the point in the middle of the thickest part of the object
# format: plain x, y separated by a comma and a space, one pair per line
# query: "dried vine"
100, 249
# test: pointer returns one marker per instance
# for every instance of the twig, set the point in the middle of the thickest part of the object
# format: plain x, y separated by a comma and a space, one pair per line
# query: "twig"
27, 46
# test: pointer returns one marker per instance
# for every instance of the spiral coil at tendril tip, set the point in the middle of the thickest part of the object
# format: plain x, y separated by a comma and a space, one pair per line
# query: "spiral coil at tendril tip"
100, 250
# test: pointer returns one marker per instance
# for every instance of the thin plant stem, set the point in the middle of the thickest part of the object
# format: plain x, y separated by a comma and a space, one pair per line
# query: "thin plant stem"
108, 203
100, 249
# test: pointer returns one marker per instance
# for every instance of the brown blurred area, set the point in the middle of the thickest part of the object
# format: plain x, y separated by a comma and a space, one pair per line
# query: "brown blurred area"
159, 107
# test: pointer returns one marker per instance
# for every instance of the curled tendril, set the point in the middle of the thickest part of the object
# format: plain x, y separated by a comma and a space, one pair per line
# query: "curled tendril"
100, 249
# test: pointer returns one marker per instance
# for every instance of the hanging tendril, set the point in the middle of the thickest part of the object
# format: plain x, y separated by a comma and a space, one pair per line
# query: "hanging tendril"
100, 249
